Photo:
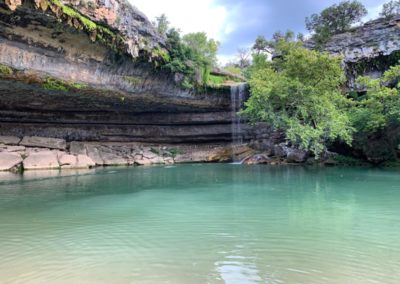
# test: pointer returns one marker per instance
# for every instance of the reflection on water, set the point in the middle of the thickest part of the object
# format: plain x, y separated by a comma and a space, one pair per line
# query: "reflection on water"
201, 224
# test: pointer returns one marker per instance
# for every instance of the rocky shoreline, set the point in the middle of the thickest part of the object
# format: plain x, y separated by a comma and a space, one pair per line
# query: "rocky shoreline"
42, 153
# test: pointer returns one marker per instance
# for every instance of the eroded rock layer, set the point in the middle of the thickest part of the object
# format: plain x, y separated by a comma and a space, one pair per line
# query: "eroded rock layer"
85, 72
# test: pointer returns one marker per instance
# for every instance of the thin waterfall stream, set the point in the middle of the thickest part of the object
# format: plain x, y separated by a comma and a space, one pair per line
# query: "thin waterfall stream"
237, 101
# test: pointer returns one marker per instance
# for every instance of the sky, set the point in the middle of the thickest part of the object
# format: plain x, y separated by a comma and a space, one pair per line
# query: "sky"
237, 23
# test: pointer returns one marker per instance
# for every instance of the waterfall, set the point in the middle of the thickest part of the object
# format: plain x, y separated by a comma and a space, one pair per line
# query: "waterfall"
237, 100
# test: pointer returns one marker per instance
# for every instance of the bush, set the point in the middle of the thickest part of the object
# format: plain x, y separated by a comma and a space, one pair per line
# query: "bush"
301, 94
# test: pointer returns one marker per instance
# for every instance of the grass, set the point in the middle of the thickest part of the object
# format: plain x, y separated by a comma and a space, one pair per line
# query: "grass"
59, 85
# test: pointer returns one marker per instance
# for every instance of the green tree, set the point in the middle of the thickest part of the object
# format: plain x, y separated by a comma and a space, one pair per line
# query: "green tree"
335, 19
380, 107
162, 24
301, 94
390, 9
193, 56
261, 45
206, 48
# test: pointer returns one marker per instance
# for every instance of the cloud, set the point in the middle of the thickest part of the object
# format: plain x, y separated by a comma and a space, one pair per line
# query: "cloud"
237, 23
190, 16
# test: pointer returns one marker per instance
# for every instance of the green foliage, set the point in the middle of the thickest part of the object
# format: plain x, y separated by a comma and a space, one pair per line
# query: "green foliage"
390, 9
193, 56
335, 19
216, 80
59, 85
173, 152
380, 107
5, 70
233, 69
206, 48
300, 93
54, 85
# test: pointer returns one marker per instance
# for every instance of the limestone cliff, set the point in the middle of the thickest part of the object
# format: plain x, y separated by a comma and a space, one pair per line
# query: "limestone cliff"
367, 50
87, 70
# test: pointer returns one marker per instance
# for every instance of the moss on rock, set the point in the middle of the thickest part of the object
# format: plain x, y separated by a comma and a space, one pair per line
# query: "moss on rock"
5, 70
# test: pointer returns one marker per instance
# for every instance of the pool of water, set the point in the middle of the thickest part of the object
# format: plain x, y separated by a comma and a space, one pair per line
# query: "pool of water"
202, 224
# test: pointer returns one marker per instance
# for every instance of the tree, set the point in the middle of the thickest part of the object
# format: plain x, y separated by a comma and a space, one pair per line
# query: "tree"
390, 9
335, 19
162, 24
376, 114
261, 45
206, 48
243, 56
301, 94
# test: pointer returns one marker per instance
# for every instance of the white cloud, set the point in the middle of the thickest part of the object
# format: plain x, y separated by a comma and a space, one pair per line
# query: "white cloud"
190, 16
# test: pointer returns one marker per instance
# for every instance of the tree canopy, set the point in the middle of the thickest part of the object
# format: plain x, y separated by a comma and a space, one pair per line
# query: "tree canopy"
301, 94
390, 9
335, 19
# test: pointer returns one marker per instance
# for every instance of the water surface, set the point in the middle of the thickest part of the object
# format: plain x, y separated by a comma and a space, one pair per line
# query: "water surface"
202, 224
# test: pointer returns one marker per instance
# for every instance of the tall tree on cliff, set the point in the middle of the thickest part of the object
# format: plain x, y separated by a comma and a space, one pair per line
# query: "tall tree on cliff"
335, 19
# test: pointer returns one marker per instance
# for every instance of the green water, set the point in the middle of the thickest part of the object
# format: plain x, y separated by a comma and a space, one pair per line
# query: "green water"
202, 224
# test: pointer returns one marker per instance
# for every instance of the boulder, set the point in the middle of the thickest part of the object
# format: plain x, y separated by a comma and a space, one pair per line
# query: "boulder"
297, 156
9, 161
44, 142
9, 140
94, 153
257, 160
66, 160
110, 159
77, 148
281, 150
45, 160
84, 162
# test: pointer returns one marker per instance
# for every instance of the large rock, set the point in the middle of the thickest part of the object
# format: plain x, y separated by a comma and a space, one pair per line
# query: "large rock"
297, 156
45, 160
84, 162
9, 140
257, 159
44, 142
9, 161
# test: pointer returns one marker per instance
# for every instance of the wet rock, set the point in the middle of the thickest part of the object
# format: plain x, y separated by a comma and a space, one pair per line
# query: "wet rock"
296, 156
94, 153
281, 151
67, 161
45, 160
84, 162
9, 161
257, 160
9, 140
44, 142
110, 159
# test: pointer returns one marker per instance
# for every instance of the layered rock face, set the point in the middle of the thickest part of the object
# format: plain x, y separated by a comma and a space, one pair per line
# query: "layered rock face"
367, 50
85, 71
